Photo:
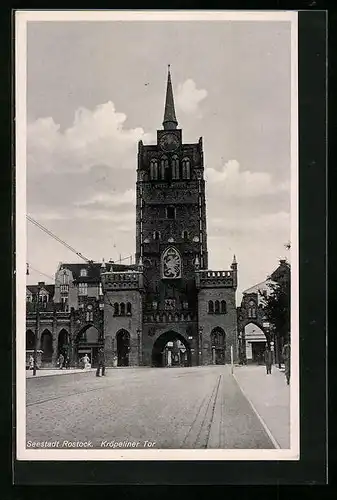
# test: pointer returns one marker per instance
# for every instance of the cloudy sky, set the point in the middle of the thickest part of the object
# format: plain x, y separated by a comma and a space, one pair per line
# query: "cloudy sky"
95, 88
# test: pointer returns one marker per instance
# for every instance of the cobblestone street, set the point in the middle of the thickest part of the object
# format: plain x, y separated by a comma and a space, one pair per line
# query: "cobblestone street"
169, 408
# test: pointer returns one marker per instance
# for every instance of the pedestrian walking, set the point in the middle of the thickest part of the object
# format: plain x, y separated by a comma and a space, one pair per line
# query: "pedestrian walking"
268, 359
101, 362
286, 359
61, 361
31, 362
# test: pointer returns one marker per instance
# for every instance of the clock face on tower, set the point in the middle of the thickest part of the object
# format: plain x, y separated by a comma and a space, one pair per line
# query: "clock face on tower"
169, 142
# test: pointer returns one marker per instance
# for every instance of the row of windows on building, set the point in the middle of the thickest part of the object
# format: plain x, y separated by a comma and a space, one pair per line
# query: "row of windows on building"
122, 309
43, 298
65, 279
185, 235
167, 317
165, 171
169, 304
217, 307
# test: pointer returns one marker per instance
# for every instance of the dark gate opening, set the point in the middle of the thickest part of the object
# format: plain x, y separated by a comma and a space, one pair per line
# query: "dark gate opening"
30, 339
167, 346
47, 346
218, 340
123, 348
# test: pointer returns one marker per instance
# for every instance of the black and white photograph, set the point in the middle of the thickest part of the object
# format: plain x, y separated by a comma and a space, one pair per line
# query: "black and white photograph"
157, 235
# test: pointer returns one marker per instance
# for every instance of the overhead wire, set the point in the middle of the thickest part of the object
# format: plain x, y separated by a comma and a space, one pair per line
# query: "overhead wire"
64, 243
29, 267
47, 231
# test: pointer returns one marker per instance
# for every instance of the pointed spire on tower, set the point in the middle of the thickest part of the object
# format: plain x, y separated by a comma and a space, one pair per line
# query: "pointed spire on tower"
234, 264
170, 120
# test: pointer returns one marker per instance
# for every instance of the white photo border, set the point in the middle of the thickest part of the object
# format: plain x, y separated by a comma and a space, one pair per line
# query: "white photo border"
22, 453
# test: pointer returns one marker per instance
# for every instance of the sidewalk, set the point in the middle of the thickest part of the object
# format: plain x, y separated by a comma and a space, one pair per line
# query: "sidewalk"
56, 371
270, 397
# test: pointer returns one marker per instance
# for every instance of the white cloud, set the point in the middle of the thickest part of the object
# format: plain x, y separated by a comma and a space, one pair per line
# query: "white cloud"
188, 97
237, 183
108, 200
96, 137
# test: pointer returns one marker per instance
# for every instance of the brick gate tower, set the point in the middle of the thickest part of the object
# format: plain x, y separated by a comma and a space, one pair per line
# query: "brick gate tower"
178, 302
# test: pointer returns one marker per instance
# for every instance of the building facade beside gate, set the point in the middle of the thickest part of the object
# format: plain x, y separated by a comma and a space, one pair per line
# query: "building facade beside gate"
169, 308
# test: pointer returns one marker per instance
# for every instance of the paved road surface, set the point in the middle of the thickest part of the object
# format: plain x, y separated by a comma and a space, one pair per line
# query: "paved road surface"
199, 407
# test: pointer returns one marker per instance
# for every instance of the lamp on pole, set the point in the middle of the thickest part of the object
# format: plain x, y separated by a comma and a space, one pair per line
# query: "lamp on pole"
36, 328
139, 346
200, 344
240, 348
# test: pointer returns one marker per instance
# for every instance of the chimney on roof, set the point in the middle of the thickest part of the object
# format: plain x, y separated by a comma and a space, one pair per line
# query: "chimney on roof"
41, 283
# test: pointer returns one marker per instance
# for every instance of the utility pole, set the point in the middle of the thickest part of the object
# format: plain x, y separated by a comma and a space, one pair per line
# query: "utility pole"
36, 329
200, 346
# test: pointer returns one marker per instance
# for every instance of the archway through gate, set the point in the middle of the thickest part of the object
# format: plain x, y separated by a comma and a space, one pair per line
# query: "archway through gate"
255, 343
87, 343
30, 339
218, 342
63, 343
47, 346
171, 349
123, 347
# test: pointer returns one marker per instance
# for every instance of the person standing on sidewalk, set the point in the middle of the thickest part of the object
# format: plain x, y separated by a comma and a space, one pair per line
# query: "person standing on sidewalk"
31, 362
268, 359
101, 362
61, 361
286, 358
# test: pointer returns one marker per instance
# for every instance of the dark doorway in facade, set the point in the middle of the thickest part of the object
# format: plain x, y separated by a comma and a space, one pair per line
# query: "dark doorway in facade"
218, 341
171, 349
47, 346
30, 339
255, 343
258, 350
123, 347
87, 344
63, 343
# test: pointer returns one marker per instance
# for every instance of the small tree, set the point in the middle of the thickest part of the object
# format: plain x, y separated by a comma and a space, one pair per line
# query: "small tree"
276, 306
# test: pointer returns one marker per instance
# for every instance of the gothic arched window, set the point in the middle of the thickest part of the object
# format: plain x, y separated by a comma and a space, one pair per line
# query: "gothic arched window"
175, 168
210, 306
185, 235
156, 235
164, 165
217, 307
186, 168
122, 309
251, 309
223, 307
154, 169
128, 308
116, 309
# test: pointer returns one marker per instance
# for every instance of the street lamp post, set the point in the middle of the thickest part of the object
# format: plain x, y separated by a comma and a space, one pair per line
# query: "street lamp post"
139, 346
240, 348
200, 345
36, 329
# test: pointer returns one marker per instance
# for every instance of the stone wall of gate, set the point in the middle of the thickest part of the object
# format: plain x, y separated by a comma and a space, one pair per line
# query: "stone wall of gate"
130, 322
208, 321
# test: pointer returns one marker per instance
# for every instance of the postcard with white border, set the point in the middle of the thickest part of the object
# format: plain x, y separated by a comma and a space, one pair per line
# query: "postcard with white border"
157, 235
